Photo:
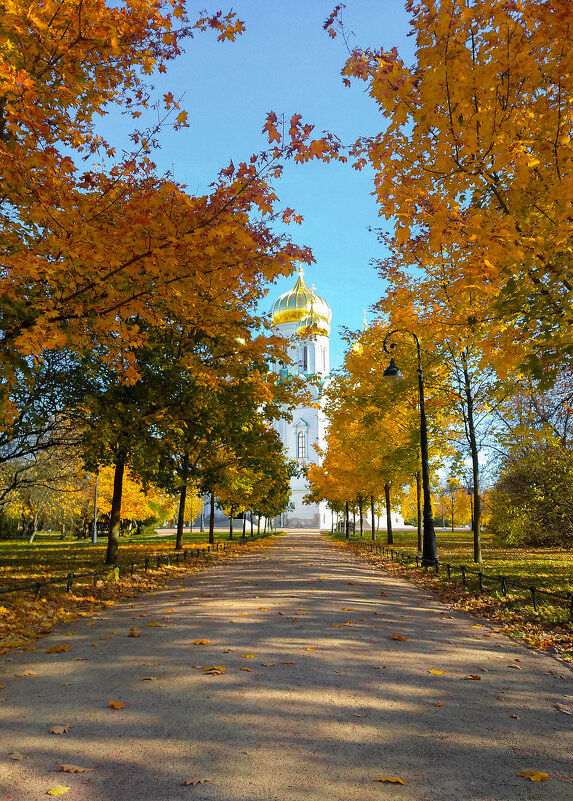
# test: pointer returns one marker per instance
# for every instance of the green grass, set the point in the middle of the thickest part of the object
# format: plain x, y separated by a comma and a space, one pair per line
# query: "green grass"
48, 556
547, 568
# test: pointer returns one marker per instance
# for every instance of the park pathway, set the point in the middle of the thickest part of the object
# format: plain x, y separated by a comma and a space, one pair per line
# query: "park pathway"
313, 698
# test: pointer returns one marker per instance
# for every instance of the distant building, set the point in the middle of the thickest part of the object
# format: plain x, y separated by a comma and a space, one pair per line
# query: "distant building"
303, 317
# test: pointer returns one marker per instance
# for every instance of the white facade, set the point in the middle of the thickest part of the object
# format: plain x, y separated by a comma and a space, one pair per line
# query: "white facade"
309, 354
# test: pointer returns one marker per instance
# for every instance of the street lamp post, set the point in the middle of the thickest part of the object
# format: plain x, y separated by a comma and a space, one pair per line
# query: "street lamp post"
392, 375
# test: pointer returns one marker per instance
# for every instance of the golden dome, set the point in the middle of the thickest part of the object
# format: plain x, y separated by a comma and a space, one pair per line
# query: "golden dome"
302, 305
313, 324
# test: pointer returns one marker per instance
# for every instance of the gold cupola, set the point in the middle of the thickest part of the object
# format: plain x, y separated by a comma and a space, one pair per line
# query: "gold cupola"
313, 324
302, 305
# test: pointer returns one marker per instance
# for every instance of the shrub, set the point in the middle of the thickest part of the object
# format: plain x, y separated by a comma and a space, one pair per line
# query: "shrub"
532, 502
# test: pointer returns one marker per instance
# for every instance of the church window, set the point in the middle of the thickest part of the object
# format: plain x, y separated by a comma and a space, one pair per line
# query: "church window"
305, 359
301, 445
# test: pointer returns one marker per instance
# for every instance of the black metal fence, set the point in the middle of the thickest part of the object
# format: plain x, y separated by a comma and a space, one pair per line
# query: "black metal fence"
154, 561
499, 582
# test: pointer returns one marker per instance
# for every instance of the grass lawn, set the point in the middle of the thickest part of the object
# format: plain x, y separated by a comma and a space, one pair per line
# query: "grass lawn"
550, 569
48, 556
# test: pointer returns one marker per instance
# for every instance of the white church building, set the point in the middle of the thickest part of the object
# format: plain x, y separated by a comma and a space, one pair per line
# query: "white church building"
303, 317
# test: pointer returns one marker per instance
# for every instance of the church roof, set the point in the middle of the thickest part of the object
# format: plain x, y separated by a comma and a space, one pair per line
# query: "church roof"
302, 305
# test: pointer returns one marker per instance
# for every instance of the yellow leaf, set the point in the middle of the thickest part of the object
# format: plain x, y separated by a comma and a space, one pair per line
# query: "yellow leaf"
149, 678
248, 656
201, 642
247, 670
399, 637
438, 703
63, 729
59, 789
310, 649
534, 775
153, 625
57, 649
436, 672
95, 644
390, 780
116, 705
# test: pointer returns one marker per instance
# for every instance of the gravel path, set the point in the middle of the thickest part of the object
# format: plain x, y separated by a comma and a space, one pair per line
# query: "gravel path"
317, 699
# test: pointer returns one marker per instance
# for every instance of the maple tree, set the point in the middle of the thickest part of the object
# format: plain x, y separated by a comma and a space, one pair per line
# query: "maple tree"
473, 166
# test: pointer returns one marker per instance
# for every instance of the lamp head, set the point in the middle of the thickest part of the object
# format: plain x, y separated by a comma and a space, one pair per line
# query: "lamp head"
392, 374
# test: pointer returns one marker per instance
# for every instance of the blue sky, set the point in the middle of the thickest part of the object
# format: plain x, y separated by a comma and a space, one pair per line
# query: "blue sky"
286, 62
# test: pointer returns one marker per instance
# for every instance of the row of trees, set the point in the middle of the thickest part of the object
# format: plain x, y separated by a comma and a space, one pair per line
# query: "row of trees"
474, 173
128, 327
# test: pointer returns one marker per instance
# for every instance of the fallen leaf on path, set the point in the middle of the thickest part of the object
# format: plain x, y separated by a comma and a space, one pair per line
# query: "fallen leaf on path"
116, 705
337, 625
390, 780
149, 678
134, 632
31, 648
143, 614
564, 709
215, 670
515, 667
310, 649
244, 614
438, 703
59, 789
534, 775
193, 782
348, 609
91, 622
57, 649
95, 644
247, 670
399, 637
74, 769
249, 656
169, 610
61, 729
515, 717
155, 625
472, 677
437, 672
16, 755
287, 662
267, 664
263, 609
476, 626
201, 642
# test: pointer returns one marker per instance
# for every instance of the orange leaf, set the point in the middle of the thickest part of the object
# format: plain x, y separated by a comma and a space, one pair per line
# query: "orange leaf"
472, 677
116, 705
534, 775
390, 780
399, 637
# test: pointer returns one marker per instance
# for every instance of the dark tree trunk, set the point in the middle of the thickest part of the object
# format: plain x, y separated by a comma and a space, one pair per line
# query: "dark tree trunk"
419, 508
373, 518
181, 518
115, 516
244, 524
251, 516
476, 517
212, 520
361, 508
390, 539
232, 511
347, 520
258, 524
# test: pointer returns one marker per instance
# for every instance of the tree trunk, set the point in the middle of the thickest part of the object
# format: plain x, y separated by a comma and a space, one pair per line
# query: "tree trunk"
390, 539
180, 518
361, 508
115, 515
244, 524
353, 519
258, 524
251, 516
212, 520
347, 520
475, 467
373, 518
452, 511
419, 508
232, 511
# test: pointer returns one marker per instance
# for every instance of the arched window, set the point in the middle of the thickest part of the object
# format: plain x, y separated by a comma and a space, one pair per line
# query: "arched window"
305, 359
301, 444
